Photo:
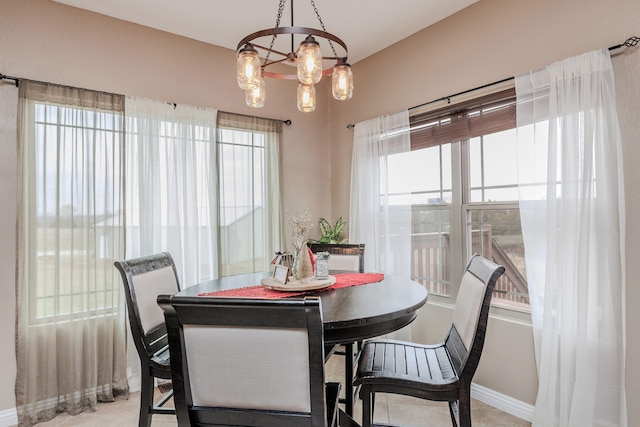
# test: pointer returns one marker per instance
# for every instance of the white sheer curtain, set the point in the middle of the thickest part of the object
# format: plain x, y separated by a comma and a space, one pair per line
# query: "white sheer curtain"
171, 185
376, 218
572, 212
626, 63
70, 327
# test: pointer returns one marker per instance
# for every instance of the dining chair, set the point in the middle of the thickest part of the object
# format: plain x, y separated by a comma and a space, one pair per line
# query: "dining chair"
344, 258
241, 362
144, 279
441, 372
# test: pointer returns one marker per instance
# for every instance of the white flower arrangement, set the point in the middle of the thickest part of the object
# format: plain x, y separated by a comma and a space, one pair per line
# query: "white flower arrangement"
300, 223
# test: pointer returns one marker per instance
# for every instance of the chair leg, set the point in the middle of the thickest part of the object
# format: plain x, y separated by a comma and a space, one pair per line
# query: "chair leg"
453, 411
373, 405
464, 405
348, 378
368, 401
146, 400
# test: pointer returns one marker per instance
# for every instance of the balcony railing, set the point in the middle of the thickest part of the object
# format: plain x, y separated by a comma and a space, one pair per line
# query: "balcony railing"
430, 264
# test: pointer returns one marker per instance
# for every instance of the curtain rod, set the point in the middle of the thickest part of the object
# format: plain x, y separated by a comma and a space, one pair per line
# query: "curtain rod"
448, 98
286, 122
630, 42
16, 80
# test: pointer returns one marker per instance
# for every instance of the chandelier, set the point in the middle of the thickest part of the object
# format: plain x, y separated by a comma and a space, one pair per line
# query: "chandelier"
254, 59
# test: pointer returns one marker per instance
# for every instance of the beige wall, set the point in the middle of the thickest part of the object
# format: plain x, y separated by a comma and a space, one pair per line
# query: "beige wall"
488, 41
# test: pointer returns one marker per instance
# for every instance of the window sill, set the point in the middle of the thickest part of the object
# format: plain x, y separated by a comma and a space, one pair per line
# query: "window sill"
517, 313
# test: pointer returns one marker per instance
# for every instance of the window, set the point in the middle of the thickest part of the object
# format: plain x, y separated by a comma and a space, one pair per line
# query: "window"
77, 226
204, 186
492, 213
210, 196
461, 181
249, 193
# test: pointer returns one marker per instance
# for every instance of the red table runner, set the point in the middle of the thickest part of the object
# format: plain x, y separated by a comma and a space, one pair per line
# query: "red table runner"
342, 281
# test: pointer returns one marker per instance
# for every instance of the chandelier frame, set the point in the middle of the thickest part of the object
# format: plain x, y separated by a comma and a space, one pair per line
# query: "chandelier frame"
291, 56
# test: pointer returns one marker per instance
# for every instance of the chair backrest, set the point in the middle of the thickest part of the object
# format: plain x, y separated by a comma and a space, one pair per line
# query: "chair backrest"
344, 257
471, 313
144, 279
246, 361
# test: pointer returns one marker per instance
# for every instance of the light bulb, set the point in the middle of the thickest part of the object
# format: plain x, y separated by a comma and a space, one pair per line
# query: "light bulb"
342, 82
255, 97
309, 61
248, 68
306, 98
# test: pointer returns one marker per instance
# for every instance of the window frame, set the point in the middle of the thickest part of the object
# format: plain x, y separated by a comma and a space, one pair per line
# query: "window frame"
457, 129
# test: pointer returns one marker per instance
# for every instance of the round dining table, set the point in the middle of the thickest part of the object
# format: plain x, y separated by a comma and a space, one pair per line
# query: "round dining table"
349, 314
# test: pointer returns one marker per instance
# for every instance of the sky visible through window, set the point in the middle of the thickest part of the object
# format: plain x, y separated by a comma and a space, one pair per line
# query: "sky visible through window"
424, 176
241, 160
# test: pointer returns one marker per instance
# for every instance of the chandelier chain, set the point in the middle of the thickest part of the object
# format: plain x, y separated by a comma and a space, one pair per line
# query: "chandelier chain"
315, 9
273, 38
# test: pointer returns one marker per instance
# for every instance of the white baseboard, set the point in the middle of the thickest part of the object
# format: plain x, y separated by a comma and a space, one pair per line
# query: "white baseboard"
134, 383
502, 402
8, 418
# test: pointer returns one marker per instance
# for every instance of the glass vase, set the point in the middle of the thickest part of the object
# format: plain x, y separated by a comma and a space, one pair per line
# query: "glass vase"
302, 268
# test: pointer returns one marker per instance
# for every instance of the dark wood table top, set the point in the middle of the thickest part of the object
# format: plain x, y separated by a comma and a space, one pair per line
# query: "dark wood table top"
349, 314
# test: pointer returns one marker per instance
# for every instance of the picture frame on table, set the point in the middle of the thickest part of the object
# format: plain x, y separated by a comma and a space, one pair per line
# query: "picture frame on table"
281, 274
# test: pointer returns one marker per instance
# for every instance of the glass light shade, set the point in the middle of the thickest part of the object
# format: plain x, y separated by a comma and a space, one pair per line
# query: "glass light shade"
255, 97
248, 68
309, 61
306, 98
342, 82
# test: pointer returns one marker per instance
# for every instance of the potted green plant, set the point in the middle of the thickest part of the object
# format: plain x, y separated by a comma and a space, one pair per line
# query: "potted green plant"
332, 234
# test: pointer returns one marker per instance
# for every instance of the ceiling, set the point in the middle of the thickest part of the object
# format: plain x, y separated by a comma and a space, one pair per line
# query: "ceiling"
366, 26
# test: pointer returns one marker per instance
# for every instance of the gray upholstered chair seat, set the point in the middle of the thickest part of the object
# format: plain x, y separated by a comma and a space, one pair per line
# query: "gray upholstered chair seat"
342, 257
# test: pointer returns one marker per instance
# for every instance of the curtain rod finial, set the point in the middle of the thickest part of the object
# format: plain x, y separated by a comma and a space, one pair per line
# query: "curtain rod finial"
5, 77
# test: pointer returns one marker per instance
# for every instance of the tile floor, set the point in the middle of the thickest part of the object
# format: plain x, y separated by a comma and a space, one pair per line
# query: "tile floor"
399, 410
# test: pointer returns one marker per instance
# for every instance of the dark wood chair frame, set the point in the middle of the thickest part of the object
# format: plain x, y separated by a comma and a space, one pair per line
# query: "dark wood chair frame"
282, 313
153, 346
446, 372
348, 347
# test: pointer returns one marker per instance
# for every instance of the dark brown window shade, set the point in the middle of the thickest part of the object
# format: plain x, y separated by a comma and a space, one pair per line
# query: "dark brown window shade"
479, 116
